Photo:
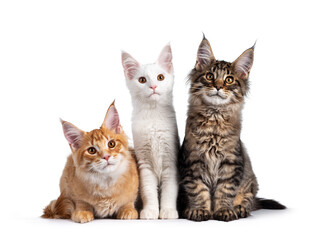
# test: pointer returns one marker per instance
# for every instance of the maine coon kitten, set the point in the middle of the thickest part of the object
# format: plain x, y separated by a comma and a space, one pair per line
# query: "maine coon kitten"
155, 133
100, 178
216, 174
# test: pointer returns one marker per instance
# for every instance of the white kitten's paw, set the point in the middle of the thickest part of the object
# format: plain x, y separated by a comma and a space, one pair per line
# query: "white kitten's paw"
168, 213
149, 213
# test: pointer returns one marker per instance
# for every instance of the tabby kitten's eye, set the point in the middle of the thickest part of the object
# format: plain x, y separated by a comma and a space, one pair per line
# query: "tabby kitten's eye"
160, 77
142, 80
111, 144
92, 150
229, 80
209, 76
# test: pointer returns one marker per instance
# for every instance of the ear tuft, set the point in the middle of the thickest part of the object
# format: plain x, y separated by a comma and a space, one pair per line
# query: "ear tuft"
242, 65
73, 134
165, 58
205, 55
130, 65
112, 120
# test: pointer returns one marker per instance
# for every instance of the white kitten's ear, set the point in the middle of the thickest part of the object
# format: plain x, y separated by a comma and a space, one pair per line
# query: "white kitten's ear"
242, 65
73, 134
165, 58
130, 65
112, 121
205, 55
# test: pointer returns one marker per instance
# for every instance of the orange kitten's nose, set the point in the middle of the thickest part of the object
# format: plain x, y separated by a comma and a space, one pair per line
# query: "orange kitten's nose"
153, 87
106, 157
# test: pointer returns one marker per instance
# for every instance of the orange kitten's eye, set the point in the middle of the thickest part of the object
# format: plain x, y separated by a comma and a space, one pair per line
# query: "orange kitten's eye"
160, 77
111, 144
142, 80
229, 80
92, 150
209, 76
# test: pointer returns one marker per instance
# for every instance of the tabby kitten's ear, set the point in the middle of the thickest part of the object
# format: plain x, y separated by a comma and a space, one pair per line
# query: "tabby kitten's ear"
73, 134
242, 65
130, 65
112, 121
165, 58
205, 55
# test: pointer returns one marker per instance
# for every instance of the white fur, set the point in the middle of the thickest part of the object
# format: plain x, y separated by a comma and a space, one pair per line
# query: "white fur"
155, 136
105, 174
214, 97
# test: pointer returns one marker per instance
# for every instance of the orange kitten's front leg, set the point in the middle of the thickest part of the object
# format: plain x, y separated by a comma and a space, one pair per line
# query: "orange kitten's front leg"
127, 212
83, 212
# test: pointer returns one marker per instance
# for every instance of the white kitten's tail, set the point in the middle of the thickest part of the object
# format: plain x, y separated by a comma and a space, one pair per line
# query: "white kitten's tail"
61, 208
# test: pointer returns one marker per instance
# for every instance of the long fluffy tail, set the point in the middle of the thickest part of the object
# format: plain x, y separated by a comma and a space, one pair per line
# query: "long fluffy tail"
261, 203
61, 208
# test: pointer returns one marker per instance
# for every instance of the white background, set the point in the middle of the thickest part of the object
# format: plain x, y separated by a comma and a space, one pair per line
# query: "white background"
62, 59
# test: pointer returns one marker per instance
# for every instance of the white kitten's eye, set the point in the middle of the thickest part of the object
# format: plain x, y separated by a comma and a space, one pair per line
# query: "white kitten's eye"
160, 77
142, 80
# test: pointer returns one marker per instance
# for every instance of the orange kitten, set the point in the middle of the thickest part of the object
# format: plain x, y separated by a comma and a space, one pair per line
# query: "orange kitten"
100, 178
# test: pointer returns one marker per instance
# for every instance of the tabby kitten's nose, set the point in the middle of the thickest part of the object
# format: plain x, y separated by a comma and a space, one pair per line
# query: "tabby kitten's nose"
106, 157
218, 87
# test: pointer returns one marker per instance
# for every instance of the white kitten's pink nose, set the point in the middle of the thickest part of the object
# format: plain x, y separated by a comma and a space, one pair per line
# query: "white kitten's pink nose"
153, 87
106, 157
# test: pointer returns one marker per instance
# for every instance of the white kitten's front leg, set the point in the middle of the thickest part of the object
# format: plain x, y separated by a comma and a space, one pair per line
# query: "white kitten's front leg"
169, 193
149, 194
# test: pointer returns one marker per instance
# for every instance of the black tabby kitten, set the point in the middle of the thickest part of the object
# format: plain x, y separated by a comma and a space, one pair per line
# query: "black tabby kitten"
217, 180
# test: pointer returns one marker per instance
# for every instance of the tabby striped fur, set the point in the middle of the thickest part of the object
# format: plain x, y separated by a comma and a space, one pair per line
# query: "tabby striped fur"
217, 180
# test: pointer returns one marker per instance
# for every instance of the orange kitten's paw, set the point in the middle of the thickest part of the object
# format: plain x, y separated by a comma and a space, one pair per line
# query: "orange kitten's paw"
168, 213
127, 213
82, 216
149, 213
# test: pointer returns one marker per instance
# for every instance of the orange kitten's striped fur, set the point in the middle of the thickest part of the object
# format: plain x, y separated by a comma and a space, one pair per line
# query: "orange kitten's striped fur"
100, 178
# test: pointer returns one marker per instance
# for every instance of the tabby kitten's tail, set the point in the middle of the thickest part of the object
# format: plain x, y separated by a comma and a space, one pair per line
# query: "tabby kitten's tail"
261, 203
61, 208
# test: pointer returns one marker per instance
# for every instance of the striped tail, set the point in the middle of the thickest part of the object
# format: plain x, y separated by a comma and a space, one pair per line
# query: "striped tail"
261, 203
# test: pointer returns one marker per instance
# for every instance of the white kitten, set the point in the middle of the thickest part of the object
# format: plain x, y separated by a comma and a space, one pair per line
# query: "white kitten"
155, 133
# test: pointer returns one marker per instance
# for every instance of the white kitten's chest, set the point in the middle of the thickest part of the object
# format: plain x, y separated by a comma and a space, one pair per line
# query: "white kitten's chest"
155, 137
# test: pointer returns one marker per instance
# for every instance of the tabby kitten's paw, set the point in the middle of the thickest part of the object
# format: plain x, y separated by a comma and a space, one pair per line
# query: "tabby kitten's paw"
82, 216
149, 213
225, 214
168, 213
197, 214
241, 211
127, 213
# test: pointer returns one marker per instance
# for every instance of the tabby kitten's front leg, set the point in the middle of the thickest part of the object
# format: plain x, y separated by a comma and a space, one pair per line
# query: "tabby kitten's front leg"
227, 188
199, 202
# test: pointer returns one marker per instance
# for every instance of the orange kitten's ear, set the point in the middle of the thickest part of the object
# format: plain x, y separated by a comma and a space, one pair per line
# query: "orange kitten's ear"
112, 121
73, 134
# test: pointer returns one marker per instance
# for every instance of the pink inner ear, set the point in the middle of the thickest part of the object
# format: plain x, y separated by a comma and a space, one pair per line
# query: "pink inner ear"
243, 64
204, 55
112, 121
130, 65
165, 59
72, 134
